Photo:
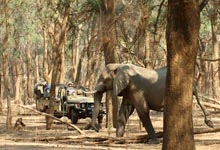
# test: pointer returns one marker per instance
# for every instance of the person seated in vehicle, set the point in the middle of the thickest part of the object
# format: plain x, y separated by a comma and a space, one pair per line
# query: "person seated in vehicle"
46, 90
71, 91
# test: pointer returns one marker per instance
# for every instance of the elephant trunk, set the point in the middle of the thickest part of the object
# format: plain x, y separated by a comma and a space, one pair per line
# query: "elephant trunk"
97, 102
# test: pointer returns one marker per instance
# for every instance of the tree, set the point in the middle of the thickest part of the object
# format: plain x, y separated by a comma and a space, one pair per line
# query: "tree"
5, 64
56, 60
215, 49
108, 47
141, 37
183, 24
29, 71
46, 72
1, 100
92, 40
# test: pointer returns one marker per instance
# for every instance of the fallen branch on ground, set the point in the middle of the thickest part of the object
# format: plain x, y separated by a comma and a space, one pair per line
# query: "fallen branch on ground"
210, 99
55, 118
105, 140
206, 130
214, 106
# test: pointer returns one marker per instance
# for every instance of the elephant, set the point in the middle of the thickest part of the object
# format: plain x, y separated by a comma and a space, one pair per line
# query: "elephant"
141, 88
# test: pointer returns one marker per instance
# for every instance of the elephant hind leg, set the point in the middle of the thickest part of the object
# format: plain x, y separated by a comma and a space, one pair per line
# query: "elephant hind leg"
145, 119
125, 111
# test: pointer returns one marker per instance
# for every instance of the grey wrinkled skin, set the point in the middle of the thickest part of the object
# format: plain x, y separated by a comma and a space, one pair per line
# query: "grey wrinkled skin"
142, 89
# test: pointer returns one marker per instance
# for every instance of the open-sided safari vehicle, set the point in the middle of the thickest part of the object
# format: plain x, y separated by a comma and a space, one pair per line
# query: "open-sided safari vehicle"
70, 102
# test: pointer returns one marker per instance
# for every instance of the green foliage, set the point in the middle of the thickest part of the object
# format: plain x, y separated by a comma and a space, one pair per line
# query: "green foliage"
205, 27
16, 53
94, 5
24, 26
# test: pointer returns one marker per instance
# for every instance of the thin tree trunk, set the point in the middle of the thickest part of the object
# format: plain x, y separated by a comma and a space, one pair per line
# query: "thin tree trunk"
75, 53
46, 74
56, 57
1, 99
18, 71
62, 65
108, 46
12, 71
108, 31
147, 60
79, 79
16, 64
5, 64
215, 51
140, 34
29, 73
37, 64
183, 25
91, 54
203, 67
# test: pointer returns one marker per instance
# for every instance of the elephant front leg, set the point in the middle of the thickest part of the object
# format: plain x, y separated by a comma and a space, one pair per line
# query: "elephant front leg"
125, 111
145, 119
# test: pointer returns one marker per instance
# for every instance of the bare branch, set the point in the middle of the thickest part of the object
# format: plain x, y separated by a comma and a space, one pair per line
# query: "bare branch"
48, 115
158, 16
207, 59
203, 4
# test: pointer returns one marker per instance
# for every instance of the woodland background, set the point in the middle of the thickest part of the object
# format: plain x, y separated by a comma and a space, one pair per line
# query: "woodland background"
70, 39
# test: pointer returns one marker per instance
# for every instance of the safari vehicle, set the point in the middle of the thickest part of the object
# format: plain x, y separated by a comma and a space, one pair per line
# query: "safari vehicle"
69, 101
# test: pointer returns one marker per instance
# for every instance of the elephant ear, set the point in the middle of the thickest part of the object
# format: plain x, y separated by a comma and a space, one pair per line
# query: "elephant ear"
121, 80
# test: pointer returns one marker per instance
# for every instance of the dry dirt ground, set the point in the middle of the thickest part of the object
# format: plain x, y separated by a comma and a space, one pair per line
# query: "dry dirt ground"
35, 137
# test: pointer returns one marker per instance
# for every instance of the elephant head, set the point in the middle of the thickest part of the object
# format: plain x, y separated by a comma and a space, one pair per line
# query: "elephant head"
105, 82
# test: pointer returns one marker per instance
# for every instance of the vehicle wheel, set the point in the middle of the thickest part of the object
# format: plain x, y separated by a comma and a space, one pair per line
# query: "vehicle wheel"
73, 116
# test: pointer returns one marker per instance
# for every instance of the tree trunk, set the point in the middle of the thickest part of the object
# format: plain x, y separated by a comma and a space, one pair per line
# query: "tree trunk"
56, 57
147, 59
91, 54
29, 73
46, 74
108, 30
79, 68
75, 53
37, 64
204, 83
1, 99
62, 65
215, 50
183, 25
139, 39
5, 64
108, 46
18, 72
109, 107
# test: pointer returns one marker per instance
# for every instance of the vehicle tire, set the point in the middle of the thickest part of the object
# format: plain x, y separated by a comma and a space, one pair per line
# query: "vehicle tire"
73, 116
